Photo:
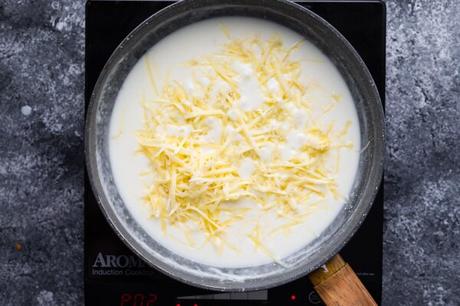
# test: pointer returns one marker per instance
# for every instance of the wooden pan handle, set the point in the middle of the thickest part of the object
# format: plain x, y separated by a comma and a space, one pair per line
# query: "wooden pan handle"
338, 285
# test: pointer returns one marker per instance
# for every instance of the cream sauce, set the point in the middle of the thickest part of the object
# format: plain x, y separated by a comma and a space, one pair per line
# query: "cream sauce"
167, 60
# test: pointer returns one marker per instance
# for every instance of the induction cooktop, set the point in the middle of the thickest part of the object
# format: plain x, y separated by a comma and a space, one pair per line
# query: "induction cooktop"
116, 276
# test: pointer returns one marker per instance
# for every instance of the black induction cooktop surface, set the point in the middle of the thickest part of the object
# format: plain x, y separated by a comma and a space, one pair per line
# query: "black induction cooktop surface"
115, 276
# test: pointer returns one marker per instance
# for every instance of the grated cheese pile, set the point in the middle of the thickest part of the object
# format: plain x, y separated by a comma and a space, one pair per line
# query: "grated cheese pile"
241, 129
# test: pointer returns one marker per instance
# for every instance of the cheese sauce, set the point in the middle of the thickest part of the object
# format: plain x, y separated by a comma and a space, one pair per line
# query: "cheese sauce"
261, 235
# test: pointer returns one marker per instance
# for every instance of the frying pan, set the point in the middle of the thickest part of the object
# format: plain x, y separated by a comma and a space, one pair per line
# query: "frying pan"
313, 255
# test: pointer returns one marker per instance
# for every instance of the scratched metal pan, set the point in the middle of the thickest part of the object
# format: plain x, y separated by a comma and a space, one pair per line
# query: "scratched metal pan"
368, 106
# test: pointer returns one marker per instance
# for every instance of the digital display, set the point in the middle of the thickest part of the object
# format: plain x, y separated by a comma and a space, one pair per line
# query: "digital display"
138, 299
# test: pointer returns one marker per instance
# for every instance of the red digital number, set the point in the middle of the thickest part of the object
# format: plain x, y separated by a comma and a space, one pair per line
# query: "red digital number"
138, 299
125, 299
152, 299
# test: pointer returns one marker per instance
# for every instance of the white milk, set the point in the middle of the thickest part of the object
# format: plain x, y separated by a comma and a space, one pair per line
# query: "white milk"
167, 59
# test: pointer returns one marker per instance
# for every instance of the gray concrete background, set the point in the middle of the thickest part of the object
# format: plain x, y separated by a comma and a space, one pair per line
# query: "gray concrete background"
41, 153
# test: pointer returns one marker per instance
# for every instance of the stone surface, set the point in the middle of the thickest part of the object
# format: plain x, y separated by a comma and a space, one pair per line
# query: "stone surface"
41, 153
422, 181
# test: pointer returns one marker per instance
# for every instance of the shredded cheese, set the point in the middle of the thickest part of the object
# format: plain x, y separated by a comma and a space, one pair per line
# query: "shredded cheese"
210, 145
